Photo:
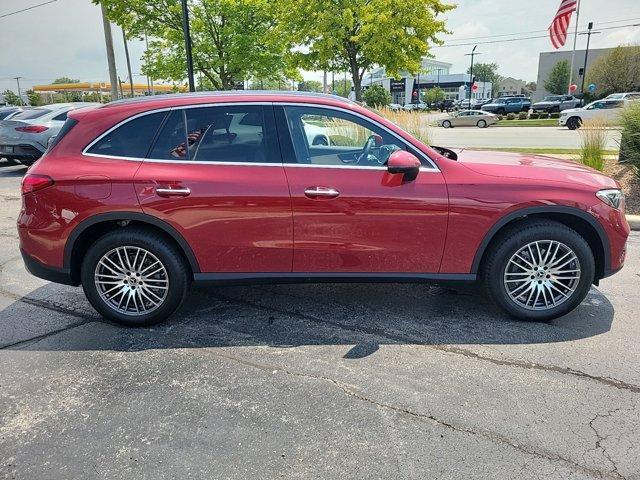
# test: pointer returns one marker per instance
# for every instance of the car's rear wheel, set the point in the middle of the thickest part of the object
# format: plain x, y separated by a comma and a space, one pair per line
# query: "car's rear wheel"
134, 277
539, 271
574, 123
446, 124
481, 123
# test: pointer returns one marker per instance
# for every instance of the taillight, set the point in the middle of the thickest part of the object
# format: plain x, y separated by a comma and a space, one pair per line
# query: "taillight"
32, 183
32, 128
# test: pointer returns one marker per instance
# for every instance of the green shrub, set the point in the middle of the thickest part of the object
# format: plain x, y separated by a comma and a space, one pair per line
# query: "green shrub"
376, 96
534, 116
630, 141
593, 134
553, 115
500, 117
522, 116
511, 116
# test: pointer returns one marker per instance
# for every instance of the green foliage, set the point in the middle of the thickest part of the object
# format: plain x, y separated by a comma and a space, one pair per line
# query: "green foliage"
233, 40
558, 81
434, 95
376, 96
619, 71
356, 35
487, 72
551, 115
64, 80
522, 116
630, 141
35, 99
342, 87
511, 116
534, 116
11, 98
310, 86
593, 135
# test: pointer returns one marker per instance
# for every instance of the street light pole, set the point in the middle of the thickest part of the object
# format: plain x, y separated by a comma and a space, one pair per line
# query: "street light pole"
17, 79
473, 53
588, 33
111, 58
187, 45
126, 54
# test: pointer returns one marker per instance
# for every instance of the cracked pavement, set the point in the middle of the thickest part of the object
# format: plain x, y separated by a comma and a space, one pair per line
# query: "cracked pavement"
315, 381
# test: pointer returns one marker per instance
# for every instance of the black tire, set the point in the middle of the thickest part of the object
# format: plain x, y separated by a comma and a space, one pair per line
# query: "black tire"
574, 123
482, 124
176, 267
510, 241
446, 124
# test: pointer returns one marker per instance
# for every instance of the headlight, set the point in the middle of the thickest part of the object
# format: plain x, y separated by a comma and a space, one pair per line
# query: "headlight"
612, 197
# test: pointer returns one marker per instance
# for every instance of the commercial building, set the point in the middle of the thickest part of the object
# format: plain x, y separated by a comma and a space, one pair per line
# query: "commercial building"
511, 86
547, 60
436, 74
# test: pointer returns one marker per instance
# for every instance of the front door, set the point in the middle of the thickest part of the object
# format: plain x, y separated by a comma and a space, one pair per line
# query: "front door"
215, 173
349, 213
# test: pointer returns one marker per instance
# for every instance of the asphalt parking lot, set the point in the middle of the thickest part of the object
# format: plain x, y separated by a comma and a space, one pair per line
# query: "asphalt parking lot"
315, 381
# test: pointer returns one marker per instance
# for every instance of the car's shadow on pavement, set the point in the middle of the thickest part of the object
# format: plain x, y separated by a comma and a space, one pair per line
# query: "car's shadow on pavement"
364, 315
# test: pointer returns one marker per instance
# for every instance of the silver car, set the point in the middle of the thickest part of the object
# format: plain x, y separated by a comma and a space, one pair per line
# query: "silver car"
469, 118
25, 136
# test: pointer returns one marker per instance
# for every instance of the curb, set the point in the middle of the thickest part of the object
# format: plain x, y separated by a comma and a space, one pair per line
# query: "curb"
634, 221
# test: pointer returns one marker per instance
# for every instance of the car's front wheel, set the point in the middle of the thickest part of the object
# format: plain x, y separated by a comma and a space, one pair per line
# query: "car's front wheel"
134, 277
539, 271
574, 123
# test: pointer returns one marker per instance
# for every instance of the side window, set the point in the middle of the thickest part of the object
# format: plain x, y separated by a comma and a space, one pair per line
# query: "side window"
62, 117
131, 139
229, 134
329, 137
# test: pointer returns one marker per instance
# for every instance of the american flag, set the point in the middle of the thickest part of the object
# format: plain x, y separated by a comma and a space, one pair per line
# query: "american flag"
560, 24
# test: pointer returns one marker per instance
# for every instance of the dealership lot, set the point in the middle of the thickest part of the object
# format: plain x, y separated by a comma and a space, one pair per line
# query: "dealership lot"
315, 381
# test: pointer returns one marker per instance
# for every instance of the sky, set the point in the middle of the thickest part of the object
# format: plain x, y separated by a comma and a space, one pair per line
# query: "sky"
65, 38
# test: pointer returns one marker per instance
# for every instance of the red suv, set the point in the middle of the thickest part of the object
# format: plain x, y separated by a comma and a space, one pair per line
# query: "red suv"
137, 199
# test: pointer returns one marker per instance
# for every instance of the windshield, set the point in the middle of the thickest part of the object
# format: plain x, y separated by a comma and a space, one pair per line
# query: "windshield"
552, 99
616, 96
31, 114
501, 100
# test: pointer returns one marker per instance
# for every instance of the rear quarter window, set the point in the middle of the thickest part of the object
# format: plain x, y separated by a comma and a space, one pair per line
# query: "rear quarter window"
132, 139
31, 114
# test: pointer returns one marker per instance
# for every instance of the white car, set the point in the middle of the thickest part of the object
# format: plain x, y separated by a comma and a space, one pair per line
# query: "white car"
624, 96
608, 110
26, 135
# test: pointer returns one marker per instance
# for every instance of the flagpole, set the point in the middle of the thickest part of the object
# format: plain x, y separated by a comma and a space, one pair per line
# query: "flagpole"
573, 53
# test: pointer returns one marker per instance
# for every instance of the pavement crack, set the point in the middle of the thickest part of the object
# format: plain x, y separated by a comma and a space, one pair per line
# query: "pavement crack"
37, 338
493, 437
600, 438
611, 382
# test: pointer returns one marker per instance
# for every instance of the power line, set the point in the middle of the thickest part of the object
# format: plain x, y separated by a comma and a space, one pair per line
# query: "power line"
533, 31
524, 38
28, 8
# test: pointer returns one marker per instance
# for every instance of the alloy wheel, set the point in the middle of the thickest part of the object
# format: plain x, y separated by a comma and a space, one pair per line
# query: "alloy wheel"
542, 275
131, 280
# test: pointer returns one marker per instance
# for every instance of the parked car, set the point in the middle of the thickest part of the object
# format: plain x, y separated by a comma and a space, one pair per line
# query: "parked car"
482, 101
25, 136
556, 103
507, 105
7, 112
445, 105
466, 104
624, 96
137, 199
469, 118
395, 107
608, 110
415, 106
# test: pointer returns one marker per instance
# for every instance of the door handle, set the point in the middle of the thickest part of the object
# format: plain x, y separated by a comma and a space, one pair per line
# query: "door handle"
173, 192
321, 192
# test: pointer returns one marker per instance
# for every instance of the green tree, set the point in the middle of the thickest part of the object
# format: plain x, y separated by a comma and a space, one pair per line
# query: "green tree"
65, 80
376, 96
35, 99
558, 80
11, 98
342, 86
356, 35
232, 39
310, 86
618, 71
487, 72
434, 95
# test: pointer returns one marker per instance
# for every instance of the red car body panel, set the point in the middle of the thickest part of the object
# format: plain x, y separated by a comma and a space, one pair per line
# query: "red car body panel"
241, 218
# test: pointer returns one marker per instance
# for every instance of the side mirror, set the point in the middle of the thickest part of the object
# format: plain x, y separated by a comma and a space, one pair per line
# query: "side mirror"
404, 163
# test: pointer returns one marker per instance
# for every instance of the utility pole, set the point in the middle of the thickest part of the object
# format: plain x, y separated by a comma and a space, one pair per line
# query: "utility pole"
324, 81
588, 33
187, 45
149, 80
17, 79
126, 54
573, 52
473, 53
111, 58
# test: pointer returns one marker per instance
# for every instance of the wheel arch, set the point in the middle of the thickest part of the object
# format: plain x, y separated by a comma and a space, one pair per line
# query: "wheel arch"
580, 221
90, 229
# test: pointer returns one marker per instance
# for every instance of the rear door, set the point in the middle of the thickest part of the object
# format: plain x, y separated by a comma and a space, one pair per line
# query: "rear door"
215, 173
350, 214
